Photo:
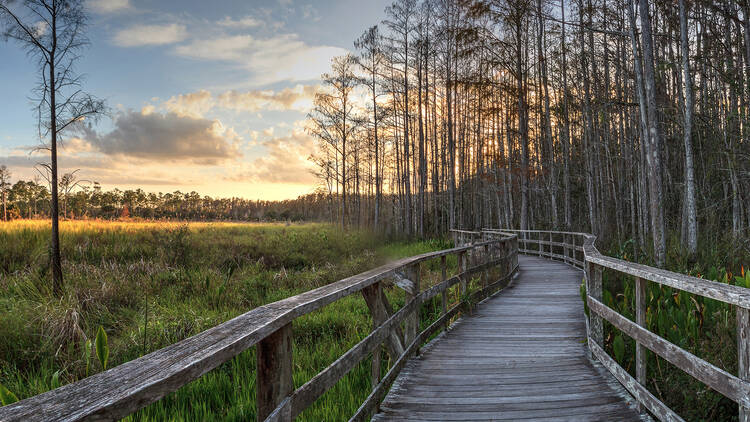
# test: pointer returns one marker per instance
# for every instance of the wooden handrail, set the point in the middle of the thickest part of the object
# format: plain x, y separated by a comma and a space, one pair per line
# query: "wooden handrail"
124, 389
736, 388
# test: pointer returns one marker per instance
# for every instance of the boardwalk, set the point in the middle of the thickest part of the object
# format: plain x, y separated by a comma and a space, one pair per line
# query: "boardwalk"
520, 356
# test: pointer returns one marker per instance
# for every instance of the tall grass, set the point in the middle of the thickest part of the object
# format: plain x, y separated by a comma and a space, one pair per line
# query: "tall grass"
152, 284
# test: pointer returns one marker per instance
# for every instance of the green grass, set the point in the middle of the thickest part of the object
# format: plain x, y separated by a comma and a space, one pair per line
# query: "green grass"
175, 281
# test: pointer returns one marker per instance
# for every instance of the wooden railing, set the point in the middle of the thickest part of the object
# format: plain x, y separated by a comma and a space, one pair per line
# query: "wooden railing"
578, 249
122, 390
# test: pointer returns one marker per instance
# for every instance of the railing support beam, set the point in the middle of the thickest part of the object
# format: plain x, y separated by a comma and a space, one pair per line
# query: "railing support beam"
274, 371
594, 289
640, 318
444, 294
743, 353
412, 321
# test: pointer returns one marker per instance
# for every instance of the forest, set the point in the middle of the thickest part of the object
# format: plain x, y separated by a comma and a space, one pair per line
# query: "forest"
626, 119
81, 200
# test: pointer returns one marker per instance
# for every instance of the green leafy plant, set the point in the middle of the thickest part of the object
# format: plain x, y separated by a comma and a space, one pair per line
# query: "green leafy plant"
743, 280
618, 346
6, 396
55, 383
102, 347
87, 355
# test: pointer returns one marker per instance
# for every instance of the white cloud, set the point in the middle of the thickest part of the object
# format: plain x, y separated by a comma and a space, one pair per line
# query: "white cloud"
283, 57
198, 104
285, 161
107, 6
194, 104
246, 22
141, 35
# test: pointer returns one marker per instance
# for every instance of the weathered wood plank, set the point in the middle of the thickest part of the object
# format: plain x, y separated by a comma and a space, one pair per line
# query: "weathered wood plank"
743, 355
444, 293
519, 355
378, 392
274, 372
659, 409
594, 290
380, 312
640, 318
716, 378
304, 396
411, 326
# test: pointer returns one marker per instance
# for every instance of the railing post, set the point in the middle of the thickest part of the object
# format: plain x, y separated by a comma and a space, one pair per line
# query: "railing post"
640, 319
539, 239
461, 269
378, 312
274, 372
485, 273
743, 353
444, 295
566, 251
412, 321
594, 289
550, 245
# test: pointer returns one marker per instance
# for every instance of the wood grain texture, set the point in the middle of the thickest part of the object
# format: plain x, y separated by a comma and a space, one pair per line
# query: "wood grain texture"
648, 400
716, 378
520, 355
641, 359
743, 354
274, 372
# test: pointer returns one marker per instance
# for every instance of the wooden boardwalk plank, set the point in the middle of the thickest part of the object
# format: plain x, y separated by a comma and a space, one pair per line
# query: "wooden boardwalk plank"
520, 356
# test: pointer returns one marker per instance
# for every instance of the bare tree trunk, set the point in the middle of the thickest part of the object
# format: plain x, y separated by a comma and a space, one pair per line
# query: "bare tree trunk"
451, 147
55, 258
523, 127
654, 139
422, 161
588, 132
547, 120
566, 124
690, 208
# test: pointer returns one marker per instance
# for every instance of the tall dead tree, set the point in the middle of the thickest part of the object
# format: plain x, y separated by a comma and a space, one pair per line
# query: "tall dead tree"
370, 60
687, 80
4, 185
334, 118
653, 156
53, 32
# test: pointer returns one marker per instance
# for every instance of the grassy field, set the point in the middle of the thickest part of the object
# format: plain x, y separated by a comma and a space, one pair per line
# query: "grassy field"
152, 284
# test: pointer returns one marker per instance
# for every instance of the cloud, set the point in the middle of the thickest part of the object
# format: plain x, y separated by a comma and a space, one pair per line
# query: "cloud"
283, 57
108, 6
168, 136
197, 104
286, 161
297, 98
246, 22
143, 35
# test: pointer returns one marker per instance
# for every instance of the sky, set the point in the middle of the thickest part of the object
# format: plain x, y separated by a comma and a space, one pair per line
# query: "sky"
205, 96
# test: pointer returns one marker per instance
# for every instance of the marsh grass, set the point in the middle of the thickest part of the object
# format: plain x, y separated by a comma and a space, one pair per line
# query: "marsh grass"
153, 284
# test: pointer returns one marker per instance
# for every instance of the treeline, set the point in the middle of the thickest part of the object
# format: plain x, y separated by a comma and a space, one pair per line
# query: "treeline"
28, 199
625, 118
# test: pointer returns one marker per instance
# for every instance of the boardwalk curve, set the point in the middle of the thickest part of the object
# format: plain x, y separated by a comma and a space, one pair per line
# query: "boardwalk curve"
521, 355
